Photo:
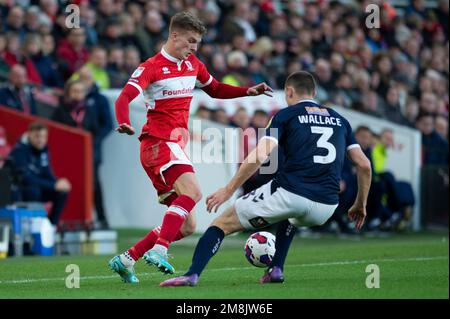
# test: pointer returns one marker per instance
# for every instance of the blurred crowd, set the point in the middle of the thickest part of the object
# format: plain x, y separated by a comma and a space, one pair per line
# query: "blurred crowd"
398, 71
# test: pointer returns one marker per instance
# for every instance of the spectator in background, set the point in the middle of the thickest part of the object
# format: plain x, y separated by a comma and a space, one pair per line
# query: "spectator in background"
203, 113
237, 69
88, 20
17, 94
220, 116
411, 111
115, 68
112, 34
44, 64
100, 103
237, 22
241, 118
441, 126
72, 51
371, 104
97, 64
30, 162
218, 65
434, 146
74, 110
84, 107
392, 109
324, 79
131, 59
259, 119
128, 36
382, 75
15, 21
50, 8
150, 33
15, 55
393, 198
428, 103
105, 12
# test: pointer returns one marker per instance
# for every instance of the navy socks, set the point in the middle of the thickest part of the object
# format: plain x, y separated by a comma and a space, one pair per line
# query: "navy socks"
206, 248
285, 233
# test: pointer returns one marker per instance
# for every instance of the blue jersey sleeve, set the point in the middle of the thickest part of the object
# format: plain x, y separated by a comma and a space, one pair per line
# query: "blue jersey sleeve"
350, 141
275, 128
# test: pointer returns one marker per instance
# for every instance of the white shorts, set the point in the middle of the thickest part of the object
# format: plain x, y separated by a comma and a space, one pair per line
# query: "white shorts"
271, 203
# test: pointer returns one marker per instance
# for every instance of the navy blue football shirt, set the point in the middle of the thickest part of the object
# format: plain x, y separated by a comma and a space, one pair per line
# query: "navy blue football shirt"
314, 140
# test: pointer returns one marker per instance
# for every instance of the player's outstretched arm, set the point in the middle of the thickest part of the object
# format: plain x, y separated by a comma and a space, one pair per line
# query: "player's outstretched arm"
127, 95
250, 165
364, 174
221, 90
261, 88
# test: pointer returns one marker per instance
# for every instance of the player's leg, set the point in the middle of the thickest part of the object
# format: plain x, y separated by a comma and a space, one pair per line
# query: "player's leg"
207, 247
309, 213
188, 191
123, 264
284, 236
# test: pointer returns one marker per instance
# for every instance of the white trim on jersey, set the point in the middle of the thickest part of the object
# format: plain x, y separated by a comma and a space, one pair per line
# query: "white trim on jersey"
180, 156
200, 85
182, 86
353, 146
169, 57
270, 138
136, 86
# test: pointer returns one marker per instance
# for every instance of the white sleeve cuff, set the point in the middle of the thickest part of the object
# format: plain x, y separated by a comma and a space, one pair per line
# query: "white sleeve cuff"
270, 138
136, 86
353, 146
200, 85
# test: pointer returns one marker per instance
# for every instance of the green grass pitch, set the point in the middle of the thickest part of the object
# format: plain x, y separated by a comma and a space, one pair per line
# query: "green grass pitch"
411, 266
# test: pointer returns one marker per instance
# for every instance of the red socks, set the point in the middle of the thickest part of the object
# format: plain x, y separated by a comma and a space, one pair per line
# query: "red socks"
174, 218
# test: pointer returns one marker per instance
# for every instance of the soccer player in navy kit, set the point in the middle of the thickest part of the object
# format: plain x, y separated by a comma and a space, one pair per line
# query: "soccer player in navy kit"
314, 140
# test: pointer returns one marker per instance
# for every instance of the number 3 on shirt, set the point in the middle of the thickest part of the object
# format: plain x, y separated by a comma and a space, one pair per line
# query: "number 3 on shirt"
322, 142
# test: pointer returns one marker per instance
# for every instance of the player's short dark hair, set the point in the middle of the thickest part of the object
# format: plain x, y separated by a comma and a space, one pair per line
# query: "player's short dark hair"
303, 82
37, 126
186, 21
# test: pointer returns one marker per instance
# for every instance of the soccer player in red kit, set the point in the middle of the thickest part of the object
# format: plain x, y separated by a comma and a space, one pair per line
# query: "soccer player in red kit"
167, 81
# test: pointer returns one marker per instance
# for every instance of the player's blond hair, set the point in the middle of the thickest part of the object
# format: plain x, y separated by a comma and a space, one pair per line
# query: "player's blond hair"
188, 22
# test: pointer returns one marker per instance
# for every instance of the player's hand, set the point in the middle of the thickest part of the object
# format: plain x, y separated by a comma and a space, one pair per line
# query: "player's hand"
357, 213
261, 88
125, 128
213, 201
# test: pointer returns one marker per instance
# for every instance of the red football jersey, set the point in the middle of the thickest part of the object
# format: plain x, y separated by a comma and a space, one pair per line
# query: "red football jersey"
168, 84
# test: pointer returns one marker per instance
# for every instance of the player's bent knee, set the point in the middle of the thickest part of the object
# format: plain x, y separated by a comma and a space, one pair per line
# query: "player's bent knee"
228, 222
188, 227
195, 194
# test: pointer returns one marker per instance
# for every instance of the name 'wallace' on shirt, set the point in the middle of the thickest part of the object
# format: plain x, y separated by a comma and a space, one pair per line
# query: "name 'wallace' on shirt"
319, 119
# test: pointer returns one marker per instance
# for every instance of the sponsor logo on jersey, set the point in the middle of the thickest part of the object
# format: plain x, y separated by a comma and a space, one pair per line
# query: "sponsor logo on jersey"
165, 70
138, 72
178, 92
316, 110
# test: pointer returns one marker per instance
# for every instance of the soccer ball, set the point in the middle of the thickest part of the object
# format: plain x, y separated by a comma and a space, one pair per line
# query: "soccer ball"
260, 249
